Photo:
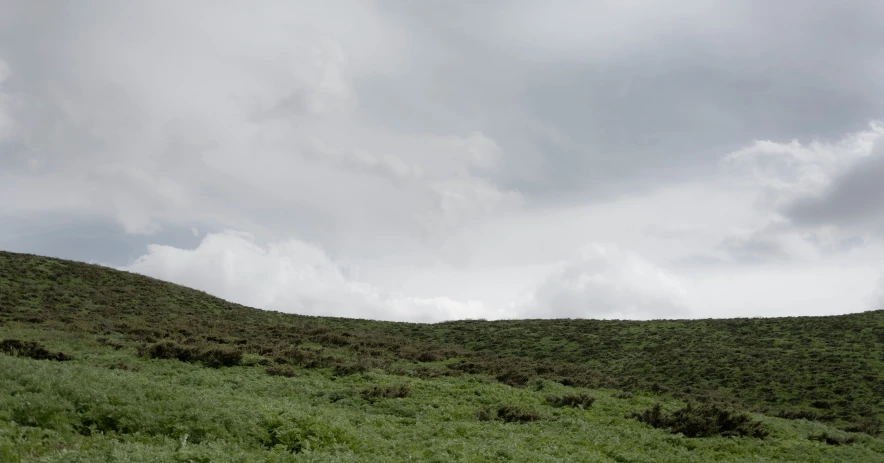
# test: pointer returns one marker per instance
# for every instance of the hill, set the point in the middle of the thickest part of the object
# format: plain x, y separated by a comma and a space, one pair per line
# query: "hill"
99, 364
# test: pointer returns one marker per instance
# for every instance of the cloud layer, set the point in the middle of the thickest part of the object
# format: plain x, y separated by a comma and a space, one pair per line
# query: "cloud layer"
427, 161
604, 282
290, 276
297, 277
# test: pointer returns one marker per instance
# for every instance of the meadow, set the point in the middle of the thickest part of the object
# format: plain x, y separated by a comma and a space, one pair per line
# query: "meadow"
102, 365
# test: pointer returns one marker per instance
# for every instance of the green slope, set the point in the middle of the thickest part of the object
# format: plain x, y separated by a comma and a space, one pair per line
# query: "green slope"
831, 368
152, 362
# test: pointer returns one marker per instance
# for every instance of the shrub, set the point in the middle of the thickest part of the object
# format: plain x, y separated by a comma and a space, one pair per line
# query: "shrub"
31, 349
514, 378
871, 426
299, 433
702, 421
799, 414
833, 439
111, 343
430, 356
303, 357
507, 414
282, 370
332, 339
571, 400
395, 391
121, 365
361, 364
212, 357
219, 357
421, 371
255, 359
168, 351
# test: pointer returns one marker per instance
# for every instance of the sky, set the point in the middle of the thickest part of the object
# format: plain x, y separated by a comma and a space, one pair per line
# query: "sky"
436, 160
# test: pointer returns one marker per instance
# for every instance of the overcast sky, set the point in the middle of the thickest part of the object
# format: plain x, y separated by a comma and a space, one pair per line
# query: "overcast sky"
436, 160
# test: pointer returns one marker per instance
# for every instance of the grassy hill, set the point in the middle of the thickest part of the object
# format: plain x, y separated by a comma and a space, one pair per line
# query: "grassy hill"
102, 365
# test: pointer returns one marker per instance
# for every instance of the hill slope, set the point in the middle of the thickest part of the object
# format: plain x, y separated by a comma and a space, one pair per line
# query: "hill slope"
151, 362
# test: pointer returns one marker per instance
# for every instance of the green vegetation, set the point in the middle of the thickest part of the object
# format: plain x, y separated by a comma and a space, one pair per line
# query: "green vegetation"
706, 420
101, 365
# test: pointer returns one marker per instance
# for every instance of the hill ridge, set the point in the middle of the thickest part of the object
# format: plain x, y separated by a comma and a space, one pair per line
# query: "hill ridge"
823, 368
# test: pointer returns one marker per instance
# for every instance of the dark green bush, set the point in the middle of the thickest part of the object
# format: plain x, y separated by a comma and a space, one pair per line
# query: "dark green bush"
31, 349
361, 364
507, 414
305, 358
121, 365
515, 378
111, 343
833, 439
571, 400
394, 391
281, 370
220, 357
799, 414
212, 357
705, 420
332, 339
169, 351
297, 434
871, 426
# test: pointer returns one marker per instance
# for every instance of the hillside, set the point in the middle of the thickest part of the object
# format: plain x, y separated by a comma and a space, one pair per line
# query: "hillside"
98, 364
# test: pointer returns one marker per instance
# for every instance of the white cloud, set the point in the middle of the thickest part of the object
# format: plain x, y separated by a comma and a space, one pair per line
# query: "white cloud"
6, 121
783, 289
448, 172
605, 282
290, 276
876, 300
776, 241
608, 30
249, 121
785, 172
782, 175
298, 277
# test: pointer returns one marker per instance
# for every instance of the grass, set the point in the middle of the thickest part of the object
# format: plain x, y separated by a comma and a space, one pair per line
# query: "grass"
101, 365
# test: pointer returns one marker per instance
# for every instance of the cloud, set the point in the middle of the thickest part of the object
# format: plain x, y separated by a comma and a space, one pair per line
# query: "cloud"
605, 282
6, 121
777, 241
782, 289
789, 172
812, 199
876, 300
434, 153
851, 200
641, 94
298, 277
250, 121
290, 276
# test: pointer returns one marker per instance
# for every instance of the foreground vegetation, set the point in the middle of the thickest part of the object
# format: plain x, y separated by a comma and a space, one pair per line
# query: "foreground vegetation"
101, 365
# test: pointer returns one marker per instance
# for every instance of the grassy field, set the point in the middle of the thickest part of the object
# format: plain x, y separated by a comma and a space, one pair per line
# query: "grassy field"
101, 365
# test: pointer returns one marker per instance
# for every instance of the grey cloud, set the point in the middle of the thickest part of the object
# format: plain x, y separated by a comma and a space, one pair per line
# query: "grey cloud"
605, 282
854, 199
780, 242
582, 109
754, 249
384, 131
87, 240
658, 104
